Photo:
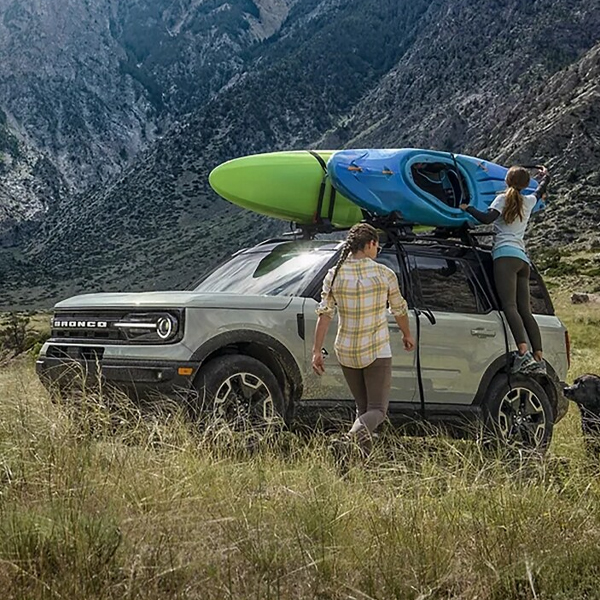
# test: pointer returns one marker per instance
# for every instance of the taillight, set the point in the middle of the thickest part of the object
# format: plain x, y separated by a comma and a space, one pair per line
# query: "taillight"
568, 347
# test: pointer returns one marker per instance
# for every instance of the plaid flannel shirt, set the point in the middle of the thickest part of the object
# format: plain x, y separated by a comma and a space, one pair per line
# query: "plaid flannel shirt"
361, 293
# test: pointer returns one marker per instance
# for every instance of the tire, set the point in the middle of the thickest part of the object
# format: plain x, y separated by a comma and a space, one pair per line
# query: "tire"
240, 390
519, 415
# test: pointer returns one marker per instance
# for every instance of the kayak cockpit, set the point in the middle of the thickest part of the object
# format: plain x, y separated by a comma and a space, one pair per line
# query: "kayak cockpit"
442, 181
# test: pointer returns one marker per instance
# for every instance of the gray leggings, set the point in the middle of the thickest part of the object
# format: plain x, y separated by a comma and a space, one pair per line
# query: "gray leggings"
371, 390
512, 283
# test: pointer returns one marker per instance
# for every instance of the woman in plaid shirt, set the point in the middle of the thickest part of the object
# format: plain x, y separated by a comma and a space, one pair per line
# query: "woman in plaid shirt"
360, 290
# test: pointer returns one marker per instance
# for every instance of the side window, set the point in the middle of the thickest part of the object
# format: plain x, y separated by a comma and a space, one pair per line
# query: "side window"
445, 284
317, 285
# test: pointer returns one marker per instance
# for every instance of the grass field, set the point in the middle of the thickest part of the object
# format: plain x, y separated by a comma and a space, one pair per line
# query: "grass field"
104, 502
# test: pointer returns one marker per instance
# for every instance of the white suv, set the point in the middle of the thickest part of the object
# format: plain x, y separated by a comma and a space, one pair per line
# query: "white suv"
243, 337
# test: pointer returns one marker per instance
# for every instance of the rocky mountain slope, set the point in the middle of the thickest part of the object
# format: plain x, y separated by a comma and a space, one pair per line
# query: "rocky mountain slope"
162, 207
508, 81
560, 121
30, 185
523, 87
86, 86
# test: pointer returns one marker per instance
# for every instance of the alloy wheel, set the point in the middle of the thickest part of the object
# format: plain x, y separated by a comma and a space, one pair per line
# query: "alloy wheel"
521, 417
244, 397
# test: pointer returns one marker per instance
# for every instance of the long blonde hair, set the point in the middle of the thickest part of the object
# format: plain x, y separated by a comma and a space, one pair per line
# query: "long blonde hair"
517, 179
358, 237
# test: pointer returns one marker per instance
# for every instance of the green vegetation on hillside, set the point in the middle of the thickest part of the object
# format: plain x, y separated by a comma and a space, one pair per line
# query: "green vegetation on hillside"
450, 74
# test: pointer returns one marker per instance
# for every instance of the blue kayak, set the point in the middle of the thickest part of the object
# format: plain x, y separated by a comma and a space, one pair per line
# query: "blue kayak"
425, 186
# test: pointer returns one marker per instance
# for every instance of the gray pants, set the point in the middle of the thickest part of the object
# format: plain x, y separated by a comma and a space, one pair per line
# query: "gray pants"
512, 283
371, 390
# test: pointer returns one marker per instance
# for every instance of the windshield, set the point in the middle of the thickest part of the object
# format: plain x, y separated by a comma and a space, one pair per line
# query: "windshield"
283, 270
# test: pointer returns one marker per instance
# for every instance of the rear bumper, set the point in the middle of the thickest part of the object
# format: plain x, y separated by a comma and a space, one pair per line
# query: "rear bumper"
140, 378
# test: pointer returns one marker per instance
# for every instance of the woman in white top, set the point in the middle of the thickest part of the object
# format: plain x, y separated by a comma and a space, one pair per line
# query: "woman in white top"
510, 213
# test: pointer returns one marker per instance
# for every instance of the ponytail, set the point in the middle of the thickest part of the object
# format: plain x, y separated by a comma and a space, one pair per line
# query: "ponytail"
513, 206
517, 179
342, 259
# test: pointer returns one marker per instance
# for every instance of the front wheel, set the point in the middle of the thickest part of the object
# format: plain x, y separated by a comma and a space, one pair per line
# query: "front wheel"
241, 391
519, 414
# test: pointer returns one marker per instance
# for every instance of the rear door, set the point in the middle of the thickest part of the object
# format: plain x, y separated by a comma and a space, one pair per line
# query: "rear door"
467, 335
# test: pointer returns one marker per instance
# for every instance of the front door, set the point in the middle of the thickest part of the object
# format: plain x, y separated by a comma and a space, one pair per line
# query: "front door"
332, 384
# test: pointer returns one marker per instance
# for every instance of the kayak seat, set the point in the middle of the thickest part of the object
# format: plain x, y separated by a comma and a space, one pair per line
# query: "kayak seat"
439, 181
456, 189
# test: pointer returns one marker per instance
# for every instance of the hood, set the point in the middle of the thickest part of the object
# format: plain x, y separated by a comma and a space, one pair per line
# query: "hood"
135, 300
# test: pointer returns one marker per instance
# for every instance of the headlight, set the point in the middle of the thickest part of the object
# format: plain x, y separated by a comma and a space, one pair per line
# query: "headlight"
150, 327
165, 327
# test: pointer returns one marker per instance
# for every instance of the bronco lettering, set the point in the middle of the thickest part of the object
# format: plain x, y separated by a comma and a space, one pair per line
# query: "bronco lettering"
81, 324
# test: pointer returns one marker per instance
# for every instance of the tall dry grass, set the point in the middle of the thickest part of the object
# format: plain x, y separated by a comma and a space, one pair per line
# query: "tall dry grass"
100, 498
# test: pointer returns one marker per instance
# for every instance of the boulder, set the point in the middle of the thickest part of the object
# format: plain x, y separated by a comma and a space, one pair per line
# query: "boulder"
580, 298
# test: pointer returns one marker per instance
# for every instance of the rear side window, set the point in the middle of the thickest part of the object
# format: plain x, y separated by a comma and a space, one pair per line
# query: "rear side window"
446, 285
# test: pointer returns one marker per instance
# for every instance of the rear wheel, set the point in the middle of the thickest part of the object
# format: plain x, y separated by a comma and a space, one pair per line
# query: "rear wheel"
241, 391
519, 414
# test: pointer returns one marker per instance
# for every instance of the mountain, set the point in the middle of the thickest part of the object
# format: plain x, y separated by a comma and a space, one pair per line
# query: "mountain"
30, 185
560, 121
86, 86
512, 81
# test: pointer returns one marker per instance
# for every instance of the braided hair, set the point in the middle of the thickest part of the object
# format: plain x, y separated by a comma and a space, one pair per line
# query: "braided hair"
358, 237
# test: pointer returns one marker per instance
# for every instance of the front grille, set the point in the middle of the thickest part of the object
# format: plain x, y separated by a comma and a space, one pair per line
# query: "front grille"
113, 326
89, 326
86, 353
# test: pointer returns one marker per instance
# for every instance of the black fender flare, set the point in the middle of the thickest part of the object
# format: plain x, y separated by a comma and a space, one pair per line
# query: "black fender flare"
499, 367
262, 346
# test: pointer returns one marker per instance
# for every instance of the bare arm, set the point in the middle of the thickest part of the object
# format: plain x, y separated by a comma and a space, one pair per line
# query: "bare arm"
399, 309
326, 311
487, 217
404, 326
543, 186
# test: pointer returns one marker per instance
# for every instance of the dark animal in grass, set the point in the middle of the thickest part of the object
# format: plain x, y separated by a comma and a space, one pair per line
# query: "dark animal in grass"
585, 392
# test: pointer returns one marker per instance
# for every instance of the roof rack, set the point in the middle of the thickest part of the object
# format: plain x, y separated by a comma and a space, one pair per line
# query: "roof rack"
393, 223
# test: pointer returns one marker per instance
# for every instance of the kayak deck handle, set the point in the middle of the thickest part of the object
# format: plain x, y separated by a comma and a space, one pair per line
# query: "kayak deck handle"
354, 168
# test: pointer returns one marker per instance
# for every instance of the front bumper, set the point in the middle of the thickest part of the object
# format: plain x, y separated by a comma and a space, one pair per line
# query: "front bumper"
136, 377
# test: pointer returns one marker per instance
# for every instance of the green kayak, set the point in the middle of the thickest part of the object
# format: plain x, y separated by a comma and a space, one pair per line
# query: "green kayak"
285, 185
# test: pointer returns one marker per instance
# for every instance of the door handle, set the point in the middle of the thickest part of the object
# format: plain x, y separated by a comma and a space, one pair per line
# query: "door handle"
480, 332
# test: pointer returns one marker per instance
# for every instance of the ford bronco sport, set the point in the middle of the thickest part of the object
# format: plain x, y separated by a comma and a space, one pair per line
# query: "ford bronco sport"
241, 340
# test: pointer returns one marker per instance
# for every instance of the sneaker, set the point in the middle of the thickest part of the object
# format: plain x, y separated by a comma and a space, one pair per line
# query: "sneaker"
539, 368
340, 448
524, 363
